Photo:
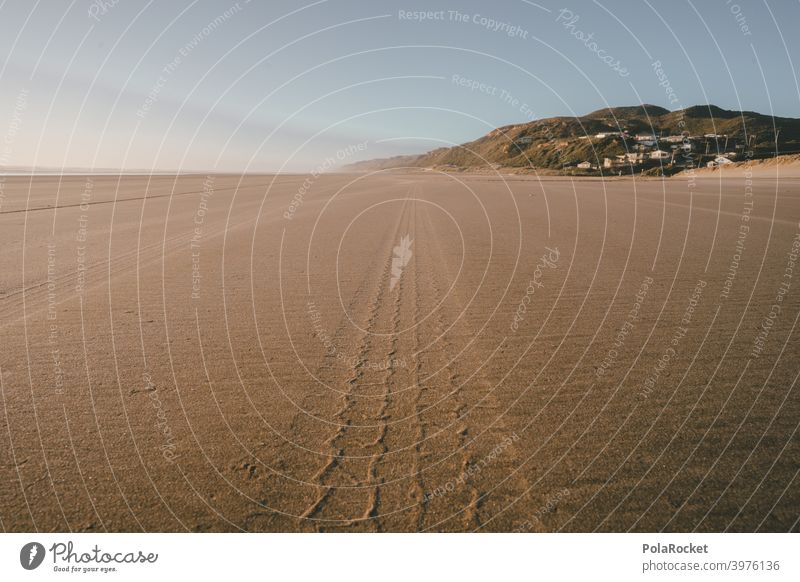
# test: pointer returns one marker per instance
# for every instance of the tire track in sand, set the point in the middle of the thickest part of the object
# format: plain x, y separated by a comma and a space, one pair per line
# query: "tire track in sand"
309, 493
485, 443
348, 491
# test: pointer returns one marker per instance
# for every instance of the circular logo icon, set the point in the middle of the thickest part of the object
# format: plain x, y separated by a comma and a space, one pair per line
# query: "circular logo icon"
31, 555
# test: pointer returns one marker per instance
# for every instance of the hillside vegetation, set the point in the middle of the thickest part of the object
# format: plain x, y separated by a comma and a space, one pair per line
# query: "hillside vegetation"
558, 142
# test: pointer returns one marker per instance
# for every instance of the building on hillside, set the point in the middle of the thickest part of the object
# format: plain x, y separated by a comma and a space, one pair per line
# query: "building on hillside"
631, 158
585, 166
719, 161
659, 155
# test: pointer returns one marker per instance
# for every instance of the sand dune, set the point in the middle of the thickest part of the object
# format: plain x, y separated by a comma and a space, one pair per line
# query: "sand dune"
778, 168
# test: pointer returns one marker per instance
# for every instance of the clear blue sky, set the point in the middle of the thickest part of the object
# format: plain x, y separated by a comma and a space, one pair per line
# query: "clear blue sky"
284, 84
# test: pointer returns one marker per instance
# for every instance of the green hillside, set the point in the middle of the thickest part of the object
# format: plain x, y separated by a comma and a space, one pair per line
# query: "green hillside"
558, 142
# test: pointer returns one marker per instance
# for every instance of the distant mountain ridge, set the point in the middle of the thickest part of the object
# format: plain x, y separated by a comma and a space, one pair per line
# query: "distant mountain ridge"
559, 142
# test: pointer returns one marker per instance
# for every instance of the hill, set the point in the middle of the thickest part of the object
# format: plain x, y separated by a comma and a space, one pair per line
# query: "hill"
560, 142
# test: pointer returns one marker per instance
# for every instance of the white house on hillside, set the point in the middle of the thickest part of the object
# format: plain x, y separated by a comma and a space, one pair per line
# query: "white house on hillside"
632, 157
719, 161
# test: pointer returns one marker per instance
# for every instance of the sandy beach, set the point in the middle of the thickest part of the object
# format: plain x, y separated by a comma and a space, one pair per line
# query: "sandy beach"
399, 352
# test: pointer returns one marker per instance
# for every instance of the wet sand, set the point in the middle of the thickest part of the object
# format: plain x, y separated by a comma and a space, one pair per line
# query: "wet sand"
399, 352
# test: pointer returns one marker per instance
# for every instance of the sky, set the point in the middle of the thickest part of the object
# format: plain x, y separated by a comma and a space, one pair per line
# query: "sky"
295, 86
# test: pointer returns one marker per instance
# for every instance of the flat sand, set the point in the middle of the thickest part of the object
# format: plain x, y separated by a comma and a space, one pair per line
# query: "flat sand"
399, 352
